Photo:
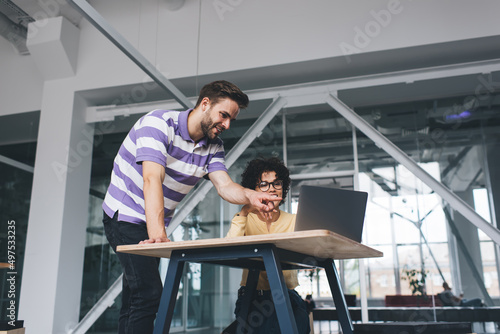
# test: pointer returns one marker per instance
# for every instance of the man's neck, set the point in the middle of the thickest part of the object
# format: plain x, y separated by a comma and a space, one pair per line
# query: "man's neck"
193, 125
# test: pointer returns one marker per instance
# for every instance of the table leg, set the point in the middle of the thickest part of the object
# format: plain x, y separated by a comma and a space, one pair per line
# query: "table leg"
279, 292
169, 294
338, 296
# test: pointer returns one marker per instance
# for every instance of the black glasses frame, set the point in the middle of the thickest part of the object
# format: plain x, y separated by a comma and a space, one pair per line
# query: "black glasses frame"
264, 185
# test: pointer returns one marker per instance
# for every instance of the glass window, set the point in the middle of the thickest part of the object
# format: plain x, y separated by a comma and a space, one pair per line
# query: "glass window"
481, 206
409, 258
380, 273
404, 217
489, 268
18, 143
15, 198
318, 140
436, 264
434, 224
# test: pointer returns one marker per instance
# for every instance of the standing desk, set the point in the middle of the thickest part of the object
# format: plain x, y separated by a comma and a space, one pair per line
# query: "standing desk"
270, 252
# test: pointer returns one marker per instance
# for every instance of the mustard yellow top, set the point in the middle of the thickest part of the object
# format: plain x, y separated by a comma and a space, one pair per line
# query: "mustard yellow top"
252, 225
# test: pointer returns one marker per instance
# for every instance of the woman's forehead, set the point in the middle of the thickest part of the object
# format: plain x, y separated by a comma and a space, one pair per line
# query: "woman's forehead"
269, 175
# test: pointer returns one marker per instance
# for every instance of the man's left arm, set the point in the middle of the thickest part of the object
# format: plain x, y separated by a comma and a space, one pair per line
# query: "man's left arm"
236, 194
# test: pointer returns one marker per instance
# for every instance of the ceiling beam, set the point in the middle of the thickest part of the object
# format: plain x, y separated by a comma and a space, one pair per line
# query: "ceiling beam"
307, 93
14, 33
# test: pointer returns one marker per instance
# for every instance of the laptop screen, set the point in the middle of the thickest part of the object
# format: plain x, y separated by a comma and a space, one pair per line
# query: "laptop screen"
337, 210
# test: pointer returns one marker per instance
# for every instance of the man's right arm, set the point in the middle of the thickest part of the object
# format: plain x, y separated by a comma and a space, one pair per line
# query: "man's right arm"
153, 175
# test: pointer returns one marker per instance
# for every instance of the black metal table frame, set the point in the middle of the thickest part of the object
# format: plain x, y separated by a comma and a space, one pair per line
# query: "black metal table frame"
255, 258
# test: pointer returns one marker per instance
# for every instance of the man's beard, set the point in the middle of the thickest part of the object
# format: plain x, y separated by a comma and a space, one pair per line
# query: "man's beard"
206, 125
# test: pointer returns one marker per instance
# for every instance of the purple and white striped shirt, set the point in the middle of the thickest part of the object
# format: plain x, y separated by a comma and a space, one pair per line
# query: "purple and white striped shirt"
160, 136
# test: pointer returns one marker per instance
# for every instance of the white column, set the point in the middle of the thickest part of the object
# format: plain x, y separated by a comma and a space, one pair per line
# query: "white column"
53, 263
470, 237
492, 161
490, 168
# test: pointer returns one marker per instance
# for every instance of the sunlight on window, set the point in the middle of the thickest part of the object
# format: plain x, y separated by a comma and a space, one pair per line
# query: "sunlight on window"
481, 203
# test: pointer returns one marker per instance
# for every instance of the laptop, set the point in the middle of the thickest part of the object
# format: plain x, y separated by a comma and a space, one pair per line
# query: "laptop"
337, 210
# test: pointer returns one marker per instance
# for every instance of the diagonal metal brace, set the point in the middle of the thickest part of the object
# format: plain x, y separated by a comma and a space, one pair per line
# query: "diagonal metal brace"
84, 8
107, 300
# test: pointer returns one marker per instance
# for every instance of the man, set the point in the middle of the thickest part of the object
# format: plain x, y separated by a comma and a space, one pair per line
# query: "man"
449, 299
160, 160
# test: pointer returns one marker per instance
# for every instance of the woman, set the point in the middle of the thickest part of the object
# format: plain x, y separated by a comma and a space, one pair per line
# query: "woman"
271, 176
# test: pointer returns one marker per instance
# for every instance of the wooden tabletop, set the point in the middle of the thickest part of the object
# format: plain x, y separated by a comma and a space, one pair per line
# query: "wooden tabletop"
317, 243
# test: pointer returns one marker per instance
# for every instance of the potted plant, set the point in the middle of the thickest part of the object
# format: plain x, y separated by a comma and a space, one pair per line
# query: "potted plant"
416, 280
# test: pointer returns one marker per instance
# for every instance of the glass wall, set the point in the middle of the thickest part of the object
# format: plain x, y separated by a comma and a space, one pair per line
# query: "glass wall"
18, 144
405, 219
101, 267
15, 197
488, 251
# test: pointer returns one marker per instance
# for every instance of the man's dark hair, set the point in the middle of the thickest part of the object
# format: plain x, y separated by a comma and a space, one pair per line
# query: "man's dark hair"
253, 172
217, 90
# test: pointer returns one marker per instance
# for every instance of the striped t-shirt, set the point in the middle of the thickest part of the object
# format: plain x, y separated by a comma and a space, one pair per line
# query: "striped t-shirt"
160, 136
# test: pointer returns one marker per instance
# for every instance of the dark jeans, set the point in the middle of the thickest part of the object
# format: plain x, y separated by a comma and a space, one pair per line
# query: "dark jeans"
142, 285
262, 317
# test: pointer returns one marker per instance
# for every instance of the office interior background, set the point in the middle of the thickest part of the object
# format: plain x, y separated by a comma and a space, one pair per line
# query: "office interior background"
420, 78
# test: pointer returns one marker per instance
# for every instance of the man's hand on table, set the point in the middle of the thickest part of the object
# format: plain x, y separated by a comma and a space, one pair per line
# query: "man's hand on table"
154, 240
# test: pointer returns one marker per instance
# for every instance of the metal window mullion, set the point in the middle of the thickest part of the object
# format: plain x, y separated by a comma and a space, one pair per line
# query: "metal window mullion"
491, 202
16, 164
361, 262
288, 201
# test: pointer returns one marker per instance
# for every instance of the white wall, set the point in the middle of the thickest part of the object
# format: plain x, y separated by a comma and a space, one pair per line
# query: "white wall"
244, 34
20, 81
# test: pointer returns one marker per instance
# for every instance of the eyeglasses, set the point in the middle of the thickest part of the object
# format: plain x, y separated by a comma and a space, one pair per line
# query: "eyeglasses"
264, 186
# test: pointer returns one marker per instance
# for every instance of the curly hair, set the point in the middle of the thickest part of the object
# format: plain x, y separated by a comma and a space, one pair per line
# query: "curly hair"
253, 172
